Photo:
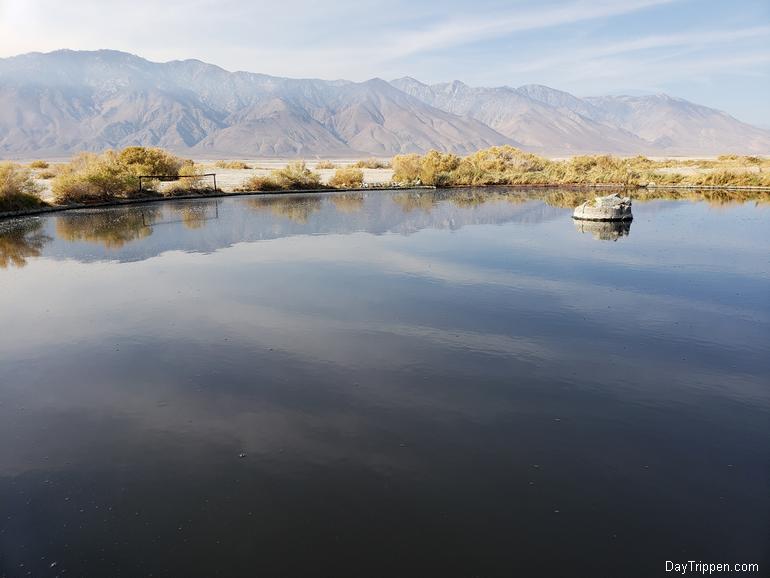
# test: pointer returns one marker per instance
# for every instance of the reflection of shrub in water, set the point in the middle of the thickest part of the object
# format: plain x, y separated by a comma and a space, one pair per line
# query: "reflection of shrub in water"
19, 241
423, 200
352, 203
473, 198
194, 216
296, 209
113, 229
569, 199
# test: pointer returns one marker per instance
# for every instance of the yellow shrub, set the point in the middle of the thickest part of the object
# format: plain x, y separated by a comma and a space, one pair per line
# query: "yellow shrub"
347, 178
371, 163
191, 181
93, 178
18, 189
149, 161
436, 168
296, 176
38, 164
231, 165
406, 168
258, 183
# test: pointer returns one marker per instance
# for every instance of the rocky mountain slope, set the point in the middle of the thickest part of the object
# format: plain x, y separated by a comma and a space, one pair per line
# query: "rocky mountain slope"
65, 101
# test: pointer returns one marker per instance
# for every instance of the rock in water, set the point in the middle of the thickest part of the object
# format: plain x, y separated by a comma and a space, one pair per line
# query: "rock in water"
610, 208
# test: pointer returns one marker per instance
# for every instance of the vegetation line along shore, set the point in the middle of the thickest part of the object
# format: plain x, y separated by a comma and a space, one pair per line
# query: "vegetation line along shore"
97, 179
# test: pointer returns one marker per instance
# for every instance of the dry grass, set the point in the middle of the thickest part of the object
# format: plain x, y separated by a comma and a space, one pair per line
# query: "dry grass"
39, 164
507, 165
371, 163
192, 181
325, 165
232, 165
293, 177
258, 183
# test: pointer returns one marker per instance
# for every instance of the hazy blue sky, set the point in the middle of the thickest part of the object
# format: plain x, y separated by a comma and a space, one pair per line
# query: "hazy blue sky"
711, 51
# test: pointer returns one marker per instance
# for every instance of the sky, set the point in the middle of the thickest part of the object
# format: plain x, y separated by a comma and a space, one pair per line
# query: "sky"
712, 52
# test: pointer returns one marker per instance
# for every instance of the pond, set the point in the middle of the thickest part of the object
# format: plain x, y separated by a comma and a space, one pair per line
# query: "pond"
416, 383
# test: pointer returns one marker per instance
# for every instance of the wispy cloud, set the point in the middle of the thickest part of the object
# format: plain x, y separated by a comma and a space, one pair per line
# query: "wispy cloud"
385, 48
461, 31
689, 40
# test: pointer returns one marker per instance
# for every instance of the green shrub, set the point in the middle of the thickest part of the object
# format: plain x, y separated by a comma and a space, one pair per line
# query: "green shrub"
18, 189
347, 178
296, 176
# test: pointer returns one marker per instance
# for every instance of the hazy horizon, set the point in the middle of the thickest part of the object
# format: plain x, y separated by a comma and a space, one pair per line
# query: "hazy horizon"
706, 52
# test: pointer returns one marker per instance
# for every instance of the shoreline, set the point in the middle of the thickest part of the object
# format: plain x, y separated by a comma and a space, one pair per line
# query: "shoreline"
221, 194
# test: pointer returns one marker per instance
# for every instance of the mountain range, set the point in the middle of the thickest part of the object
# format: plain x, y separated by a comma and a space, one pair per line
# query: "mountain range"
66, 101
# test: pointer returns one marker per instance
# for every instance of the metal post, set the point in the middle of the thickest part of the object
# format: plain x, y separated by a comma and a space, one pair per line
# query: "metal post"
215, 182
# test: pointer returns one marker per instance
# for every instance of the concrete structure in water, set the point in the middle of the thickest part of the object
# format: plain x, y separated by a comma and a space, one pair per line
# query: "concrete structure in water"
610, 208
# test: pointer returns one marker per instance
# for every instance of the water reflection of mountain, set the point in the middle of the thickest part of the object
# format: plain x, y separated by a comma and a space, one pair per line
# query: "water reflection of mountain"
144, 231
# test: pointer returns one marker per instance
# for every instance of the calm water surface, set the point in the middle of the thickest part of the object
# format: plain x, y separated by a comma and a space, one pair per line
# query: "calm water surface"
384, 385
